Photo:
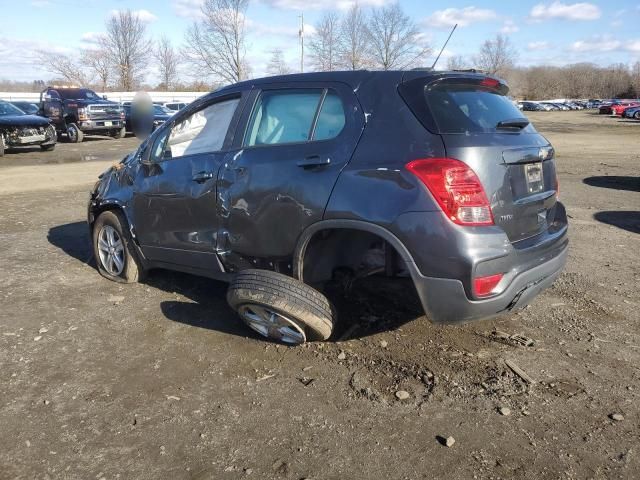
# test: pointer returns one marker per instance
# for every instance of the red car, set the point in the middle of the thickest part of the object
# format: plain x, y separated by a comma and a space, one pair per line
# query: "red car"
618, 110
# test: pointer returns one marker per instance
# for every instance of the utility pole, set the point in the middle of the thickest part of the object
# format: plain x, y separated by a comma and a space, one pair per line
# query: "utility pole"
301, 34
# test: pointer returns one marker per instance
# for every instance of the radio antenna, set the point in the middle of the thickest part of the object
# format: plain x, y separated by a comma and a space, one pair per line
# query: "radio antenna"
444, 46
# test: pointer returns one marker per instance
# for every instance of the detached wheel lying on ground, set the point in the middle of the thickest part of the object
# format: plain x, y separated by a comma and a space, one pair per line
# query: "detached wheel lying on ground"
113, 248
280, 307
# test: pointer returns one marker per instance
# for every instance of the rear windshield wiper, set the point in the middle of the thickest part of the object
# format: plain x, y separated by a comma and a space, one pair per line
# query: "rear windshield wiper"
518, 123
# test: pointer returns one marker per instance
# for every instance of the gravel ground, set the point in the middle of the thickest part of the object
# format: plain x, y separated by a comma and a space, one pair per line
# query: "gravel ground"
161, 380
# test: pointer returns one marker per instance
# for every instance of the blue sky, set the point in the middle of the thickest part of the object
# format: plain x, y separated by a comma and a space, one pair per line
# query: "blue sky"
544, 32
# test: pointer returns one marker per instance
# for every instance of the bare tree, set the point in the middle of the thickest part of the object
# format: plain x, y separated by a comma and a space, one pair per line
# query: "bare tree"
394, 38
97, 61
496, 56
277, 65
457, 62
635, 78
355, 50
127, 47
64, 66
325, 43
168, 61
216, 44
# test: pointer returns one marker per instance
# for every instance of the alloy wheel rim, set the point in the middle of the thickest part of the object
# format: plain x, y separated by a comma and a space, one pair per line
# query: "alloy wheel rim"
72, 133
272, 324
111, 250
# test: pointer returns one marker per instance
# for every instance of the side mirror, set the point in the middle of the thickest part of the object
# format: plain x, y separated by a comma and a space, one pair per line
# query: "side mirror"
144, 161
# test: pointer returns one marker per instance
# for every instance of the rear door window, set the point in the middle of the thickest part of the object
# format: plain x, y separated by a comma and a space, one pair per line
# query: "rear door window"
331, 119
294, 116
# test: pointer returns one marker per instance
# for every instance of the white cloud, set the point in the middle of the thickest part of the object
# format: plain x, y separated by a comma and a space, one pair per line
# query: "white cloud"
633, 46
597, 43
462, 16
509, 27
575, 11
188, 8
91, 37
538, 45
144, 15
323, 4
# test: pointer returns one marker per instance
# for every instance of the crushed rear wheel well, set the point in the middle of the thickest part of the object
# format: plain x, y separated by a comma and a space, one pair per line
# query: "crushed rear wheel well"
354, 252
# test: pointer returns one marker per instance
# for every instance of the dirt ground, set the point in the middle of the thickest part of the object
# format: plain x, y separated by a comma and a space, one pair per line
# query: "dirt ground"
161, 380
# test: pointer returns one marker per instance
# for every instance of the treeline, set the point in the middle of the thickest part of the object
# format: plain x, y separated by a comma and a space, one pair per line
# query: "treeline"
582, 80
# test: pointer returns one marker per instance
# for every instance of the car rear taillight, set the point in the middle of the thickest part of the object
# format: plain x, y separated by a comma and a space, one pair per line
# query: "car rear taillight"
484, 286
456, 188
490, 82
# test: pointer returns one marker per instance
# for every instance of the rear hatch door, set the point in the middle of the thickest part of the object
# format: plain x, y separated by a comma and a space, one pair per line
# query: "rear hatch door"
482, 127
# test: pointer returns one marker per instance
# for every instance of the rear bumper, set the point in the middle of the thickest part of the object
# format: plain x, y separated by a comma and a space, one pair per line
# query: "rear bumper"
445, 301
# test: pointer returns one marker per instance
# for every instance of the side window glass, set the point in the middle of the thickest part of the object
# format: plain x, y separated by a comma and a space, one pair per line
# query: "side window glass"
283, 116
331, 119
202, 132
158, 151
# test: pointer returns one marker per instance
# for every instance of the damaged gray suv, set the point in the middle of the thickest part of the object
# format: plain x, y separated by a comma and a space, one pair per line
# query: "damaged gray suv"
275, 185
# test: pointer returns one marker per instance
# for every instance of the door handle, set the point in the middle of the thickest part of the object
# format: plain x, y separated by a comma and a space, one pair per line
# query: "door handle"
202, 177
314, 161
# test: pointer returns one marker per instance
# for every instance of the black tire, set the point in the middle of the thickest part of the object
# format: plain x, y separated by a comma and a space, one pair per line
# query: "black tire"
48, 148
132, 270
74, 134
306, 307
120, 133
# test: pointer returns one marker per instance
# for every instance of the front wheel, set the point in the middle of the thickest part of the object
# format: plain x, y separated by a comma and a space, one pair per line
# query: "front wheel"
636, 115
113, 248
74, 134
120, 133
280, 307
48, 148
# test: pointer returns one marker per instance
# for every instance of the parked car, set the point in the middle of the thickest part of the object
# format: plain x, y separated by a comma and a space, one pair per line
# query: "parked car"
530, 106
632, 112
618, 110
80, 111
175, 106
18, 129
281, 183
549, 106
160, 115
27, 107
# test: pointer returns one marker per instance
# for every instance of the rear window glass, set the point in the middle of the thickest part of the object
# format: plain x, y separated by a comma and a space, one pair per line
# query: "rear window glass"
468, 108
